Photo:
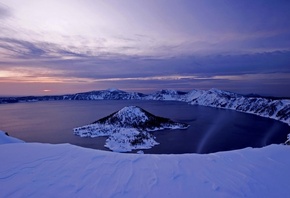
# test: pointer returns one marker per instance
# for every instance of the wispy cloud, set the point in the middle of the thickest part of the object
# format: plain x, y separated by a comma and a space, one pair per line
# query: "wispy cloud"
4, 12
20, 49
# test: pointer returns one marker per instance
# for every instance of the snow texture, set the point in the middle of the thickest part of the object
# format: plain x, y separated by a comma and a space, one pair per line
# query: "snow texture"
128, 139
274, 109
128, 129
45, 170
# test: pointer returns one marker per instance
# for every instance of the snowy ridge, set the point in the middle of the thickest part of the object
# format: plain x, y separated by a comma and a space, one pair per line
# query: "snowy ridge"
63, 170
128, 129
166, 94
274, 109
270, 108
109, 94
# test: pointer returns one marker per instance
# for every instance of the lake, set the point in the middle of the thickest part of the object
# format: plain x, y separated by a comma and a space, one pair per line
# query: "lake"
211, 129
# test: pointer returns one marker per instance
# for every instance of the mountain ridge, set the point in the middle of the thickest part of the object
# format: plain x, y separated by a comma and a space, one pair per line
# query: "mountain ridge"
278, 109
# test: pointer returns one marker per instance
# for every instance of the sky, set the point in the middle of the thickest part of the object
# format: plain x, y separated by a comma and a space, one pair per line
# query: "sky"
69, 46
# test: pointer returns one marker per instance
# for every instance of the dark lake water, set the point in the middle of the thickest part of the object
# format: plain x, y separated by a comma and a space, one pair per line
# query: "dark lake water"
210, 130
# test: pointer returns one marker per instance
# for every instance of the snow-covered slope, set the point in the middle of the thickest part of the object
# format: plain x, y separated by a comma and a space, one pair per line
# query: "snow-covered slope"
5, 139
166, 94
109, 94
128, 129
128, 139
265, 107
44, 170
275, 109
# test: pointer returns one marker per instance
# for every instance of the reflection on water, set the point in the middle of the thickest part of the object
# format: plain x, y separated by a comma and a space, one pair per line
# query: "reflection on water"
210, 130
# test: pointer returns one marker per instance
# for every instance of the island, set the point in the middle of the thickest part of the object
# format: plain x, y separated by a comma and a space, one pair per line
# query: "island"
128, 129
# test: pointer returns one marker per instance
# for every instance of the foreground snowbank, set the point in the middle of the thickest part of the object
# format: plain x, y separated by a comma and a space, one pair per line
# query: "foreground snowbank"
44, 170
5, 139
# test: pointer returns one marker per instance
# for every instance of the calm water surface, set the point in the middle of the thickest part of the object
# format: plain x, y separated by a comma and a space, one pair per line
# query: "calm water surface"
210, 130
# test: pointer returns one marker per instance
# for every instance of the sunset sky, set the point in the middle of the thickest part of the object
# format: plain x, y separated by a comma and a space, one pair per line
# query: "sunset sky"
68, 46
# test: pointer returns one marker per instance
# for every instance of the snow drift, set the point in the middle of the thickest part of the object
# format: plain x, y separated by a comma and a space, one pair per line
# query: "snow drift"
44, 170
6, 139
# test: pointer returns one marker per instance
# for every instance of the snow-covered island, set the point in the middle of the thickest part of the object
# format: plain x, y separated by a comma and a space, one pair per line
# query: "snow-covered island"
128, 129
64, 170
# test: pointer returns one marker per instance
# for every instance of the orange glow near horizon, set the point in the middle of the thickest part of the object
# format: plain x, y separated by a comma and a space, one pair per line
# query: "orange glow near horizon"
36, 76
8, 74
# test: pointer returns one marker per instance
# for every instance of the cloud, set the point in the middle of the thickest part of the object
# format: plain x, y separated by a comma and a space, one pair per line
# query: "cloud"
4, 12
22, 49
85, 64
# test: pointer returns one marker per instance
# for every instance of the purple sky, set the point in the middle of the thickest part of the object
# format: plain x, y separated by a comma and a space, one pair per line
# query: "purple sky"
68, 46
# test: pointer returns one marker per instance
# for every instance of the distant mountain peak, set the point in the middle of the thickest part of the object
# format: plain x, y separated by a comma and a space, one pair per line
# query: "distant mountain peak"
168, 91
215, 90
112, 89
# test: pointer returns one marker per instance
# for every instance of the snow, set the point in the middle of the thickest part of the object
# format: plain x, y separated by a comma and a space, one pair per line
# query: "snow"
131, 115
165, 94
123, 140
288, 139
120, 139
5, 139
112, 89
274, 109
64, 170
